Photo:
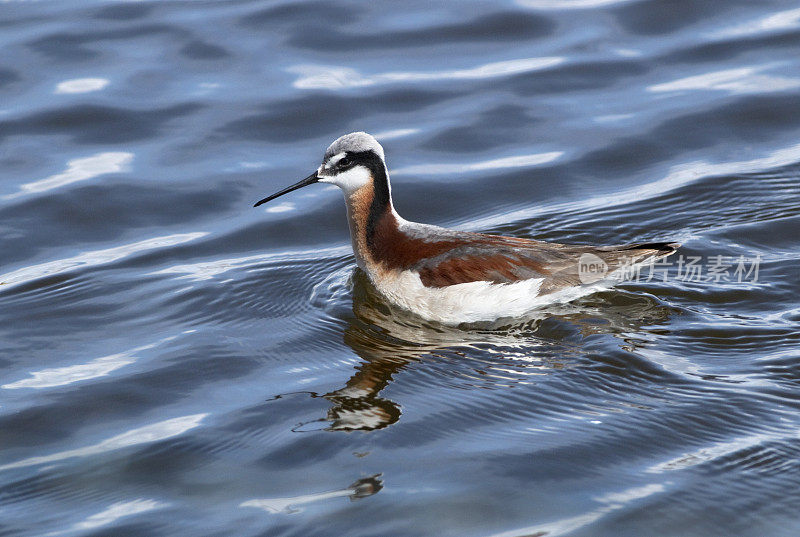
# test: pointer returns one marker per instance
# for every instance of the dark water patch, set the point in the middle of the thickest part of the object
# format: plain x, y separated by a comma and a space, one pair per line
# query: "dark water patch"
46, 424
298, 117
727, 49
209, 363
301, 450
41, 287
21, 19
266, 422
770, 234
291, 13
8, 76
751, 118
623, 156
777, 459
652, 17
91, 216
493, 27
199, 50
130, 529
36, 488
76, 47
685, 516
183, 455
493, 128
782, 366
93, 124
76, 313
123, 12
713, 206
576, 77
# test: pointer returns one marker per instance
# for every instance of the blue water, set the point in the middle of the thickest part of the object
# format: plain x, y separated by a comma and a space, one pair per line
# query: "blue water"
175, 362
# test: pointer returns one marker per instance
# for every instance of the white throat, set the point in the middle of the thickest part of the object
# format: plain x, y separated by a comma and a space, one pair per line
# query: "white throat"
349, 181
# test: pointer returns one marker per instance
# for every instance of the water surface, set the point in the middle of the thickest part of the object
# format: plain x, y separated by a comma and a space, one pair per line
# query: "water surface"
175, 362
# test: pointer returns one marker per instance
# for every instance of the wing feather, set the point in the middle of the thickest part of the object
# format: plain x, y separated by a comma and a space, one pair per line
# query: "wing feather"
505, 260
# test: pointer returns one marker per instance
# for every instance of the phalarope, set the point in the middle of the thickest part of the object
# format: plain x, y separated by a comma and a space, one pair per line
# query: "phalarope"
454, 276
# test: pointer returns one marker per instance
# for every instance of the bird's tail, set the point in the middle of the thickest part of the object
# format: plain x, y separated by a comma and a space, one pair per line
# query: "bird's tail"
656, 249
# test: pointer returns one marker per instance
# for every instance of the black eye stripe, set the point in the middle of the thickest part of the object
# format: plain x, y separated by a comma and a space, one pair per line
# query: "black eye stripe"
350, 159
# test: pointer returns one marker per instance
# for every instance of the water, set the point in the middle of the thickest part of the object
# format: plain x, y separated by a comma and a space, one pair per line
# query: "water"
175, 362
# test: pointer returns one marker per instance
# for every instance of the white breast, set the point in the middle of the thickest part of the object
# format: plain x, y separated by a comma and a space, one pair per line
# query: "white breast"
474, 301
463, 302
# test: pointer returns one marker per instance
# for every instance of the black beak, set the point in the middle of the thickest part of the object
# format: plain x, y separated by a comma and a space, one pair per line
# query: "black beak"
310, 180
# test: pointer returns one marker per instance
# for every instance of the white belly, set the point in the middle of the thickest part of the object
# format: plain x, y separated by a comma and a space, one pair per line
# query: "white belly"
473, 301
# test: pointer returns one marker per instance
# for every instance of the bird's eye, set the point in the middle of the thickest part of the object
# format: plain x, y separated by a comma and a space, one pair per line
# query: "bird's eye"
344, 162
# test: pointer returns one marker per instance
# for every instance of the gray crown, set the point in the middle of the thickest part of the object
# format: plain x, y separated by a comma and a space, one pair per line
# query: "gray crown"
355, 142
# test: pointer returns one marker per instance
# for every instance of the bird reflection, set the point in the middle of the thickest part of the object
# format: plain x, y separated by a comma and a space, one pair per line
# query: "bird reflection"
362, 488
388, 339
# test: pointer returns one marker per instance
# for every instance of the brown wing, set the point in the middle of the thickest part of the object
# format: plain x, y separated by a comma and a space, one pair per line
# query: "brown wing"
507, 260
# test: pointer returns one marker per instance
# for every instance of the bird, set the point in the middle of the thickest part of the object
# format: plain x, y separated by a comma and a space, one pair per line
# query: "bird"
451, 276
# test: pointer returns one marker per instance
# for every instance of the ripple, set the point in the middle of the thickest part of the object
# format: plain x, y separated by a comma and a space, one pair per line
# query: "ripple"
155, 432
128, 220
518, 161
81, 85
321, 77
679, 176
776, 22
114, 512
92, 259
210, 269
717, 451
60, 376
99, 367
493, 27
740, 80
394, 133
80, 170
613, 502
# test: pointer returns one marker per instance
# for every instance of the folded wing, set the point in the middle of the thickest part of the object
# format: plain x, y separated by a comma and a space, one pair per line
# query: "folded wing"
503, 260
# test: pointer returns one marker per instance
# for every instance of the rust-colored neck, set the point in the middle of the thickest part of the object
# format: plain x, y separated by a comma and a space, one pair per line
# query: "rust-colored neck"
368, 209
358, 213
379, 241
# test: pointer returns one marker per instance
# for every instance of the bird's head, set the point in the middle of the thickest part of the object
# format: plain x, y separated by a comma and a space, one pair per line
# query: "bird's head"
351, 162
